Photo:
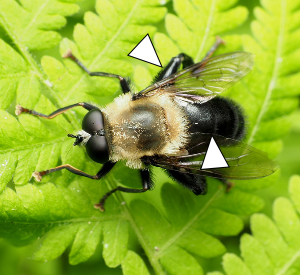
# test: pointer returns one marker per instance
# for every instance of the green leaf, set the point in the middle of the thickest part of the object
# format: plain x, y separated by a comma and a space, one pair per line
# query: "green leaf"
178, 261
134, 265
115, 242
234, 265
173, 226
56, 242
269, 85
197, 23
273, 50
274, 245
189, 221
35, 20
25, 141
85, 242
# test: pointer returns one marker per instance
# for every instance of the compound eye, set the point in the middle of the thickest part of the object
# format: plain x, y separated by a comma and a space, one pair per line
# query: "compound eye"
93, 121
97, 149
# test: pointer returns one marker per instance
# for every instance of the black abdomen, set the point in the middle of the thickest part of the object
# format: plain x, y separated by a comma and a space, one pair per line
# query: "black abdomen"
218, 116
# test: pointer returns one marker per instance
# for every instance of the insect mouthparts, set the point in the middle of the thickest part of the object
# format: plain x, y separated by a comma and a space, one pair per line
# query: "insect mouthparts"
78, 140
72, 136
81, 138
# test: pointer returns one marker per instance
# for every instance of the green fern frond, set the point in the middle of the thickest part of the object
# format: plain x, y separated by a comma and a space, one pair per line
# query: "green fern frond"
30, 24
198, 22
23, 142
274, 46
173, 229
273, 248
271, 89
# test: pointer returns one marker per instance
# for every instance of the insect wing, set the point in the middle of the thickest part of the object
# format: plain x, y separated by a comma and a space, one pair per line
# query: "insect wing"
245, 161
203, 81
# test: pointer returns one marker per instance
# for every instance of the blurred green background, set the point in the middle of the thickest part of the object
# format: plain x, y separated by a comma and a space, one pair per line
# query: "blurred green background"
17, 260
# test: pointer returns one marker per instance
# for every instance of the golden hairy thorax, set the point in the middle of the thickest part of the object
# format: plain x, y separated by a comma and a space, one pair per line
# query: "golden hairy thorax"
148, 126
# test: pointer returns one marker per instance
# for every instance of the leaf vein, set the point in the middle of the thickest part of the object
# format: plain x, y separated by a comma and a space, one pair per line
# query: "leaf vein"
189, 224
207, 29
274, 74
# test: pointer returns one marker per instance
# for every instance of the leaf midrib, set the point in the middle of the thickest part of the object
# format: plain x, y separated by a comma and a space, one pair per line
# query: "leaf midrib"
70, 221
152, 255
41, 8
189, 224
274, 77
207, 30
23, 50
33, 145
15, 75
110, 181
286, 267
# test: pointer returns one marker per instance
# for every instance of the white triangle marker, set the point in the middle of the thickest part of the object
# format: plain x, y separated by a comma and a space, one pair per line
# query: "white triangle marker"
145, 51
214, 157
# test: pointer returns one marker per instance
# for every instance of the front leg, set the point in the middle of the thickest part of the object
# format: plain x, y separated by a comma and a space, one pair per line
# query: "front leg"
102, 172
87, 106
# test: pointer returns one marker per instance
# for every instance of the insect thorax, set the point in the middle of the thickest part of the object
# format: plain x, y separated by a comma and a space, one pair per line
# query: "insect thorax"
144, 127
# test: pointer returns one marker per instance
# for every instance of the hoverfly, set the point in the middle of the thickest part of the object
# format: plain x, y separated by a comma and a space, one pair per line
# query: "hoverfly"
170, 124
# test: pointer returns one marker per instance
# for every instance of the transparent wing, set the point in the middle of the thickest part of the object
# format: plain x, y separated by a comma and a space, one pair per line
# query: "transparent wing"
202, 81
245, 161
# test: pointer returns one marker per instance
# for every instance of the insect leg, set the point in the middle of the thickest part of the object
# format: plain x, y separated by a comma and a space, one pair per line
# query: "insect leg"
147, 183
20, 110
102, 172
174, 65
146, 179
214, 47
123, 81
229, 184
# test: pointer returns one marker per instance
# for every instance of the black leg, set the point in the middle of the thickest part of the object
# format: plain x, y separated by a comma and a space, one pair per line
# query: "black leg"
173, 66
147, 184
102, 172
185, 60
123, 82
214, 47
146, 179
20, 110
